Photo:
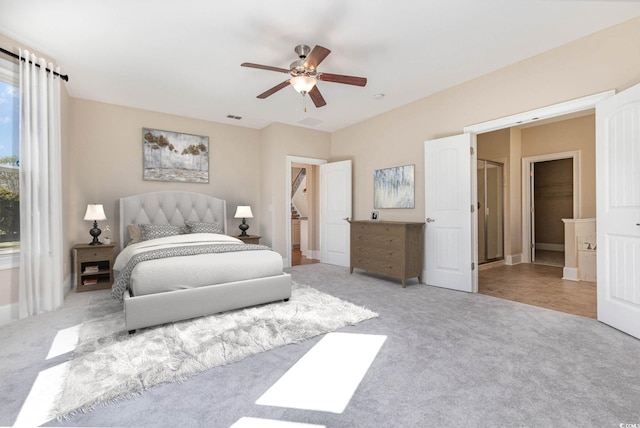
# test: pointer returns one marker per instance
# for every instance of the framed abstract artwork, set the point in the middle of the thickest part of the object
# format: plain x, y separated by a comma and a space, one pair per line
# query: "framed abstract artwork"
394, 187
174, 156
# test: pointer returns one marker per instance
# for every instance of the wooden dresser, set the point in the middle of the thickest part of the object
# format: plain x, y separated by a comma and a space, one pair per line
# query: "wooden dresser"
392, 248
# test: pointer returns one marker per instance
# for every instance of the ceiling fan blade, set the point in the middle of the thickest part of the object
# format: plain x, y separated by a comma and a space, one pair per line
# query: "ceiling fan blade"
339, 78
317, 97
273, 90
317, 55
264, 67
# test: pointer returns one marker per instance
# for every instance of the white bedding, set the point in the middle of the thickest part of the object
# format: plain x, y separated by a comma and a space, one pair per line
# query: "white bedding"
176, 273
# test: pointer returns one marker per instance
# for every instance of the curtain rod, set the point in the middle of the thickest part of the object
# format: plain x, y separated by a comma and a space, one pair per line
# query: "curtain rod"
16, 56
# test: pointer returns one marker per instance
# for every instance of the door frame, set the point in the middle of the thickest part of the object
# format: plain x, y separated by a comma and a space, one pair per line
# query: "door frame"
289, 160
548, 112
527, 203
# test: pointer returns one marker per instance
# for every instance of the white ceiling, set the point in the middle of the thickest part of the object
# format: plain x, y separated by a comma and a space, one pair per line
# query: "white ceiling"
183, 57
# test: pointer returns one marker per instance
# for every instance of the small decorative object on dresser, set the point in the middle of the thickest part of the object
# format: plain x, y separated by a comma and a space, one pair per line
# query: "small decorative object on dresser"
375, 215
94, 266
392, 248
250, 239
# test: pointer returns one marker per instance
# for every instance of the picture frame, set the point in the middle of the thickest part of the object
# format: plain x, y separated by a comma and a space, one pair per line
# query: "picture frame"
174, 156
375, 215
394, 187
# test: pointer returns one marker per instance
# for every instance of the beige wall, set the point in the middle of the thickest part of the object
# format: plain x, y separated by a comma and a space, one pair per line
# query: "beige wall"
602, 61
106, 162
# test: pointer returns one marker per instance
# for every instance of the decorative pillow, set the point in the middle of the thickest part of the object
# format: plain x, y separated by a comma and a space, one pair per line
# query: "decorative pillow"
134, 233
154, 231
202, 227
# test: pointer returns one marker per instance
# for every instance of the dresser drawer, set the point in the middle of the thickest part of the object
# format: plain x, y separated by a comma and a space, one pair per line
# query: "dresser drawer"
382, 267
386, 254
376, 241
385, 230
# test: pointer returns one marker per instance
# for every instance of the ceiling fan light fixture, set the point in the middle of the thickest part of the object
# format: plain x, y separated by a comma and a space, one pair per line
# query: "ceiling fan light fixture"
303, 84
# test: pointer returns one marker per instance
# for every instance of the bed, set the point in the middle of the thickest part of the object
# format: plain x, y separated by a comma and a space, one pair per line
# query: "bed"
166, 277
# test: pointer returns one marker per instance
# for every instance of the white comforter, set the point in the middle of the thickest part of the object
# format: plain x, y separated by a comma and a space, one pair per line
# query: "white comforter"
175, 273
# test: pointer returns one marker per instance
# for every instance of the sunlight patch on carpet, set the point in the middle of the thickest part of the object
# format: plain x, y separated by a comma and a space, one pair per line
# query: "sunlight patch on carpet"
327, 376
246, 422
65, 341
42, 397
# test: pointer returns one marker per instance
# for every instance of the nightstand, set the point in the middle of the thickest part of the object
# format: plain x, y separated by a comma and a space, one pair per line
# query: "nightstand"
94, 266
250, 239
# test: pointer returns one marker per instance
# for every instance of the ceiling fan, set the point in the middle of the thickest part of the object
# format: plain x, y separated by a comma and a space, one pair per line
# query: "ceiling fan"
304, 74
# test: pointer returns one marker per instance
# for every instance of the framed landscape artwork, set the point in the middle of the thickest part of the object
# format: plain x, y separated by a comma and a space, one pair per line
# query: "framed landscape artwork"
394, 187
174, 156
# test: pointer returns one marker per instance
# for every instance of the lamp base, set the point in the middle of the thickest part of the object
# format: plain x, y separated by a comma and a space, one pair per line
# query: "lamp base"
95, 232
244, 227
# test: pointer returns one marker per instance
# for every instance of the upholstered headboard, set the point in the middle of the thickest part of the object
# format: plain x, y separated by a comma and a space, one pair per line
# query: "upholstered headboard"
170, 207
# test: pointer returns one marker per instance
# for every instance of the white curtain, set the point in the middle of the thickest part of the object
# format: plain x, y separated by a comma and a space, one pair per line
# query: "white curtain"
41, 282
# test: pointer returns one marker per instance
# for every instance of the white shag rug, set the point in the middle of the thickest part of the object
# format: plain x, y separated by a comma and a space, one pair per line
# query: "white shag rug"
110, 365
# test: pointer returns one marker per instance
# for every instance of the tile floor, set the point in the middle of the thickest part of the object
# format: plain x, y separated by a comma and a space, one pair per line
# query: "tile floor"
538, 285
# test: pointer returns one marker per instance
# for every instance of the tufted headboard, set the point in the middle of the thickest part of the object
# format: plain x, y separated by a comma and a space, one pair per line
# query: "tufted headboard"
170, 207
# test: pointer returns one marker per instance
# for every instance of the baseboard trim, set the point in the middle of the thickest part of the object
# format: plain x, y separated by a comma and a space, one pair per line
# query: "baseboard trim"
8, 313
513, 259
570, 273
549, 247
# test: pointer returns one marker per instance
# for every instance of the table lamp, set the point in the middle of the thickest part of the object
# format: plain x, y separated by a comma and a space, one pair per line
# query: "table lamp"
243, 212
95, 212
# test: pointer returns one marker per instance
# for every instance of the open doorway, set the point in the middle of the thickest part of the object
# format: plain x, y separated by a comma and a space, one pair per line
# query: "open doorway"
307, 200
304, 218
549, 176
552, 201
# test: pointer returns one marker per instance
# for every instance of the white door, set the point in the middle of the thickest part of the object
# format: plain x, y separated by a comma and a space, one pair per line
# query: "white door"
335, 208
618, 210
450, 201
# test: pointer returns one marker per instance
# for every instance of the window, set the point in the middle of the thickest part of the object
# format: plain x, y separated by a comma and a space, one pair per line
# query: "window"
9, 163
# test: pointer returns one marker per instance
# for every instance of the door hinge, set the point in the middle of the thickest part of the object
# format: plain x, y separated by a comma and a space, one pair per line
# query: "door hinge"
471, 151
473, 266
473, 208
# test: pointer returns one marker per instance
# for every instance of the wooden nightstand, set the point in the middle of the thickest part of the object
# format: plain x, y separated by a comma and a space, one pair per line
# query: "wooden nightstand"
94, 266
250, 239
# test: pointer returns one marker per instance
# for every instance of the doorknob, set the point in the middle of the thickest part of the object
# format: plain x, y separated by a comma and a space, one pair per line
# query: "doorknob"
430, 220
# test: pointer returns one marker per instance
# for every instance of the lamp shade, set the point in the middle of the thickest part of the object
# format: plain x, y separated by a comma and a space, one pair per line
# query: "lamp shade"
243, 211
303, 84
95, 212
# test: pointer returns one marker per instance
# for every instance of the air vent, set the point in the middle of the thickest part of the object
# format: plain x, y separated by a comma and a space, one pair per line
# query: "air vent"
231, 116
310, 121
